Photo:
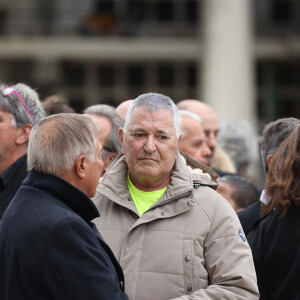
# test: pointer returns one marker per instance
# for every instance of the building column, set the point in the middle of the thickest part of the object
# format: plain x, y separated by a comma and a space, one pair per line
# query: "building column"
227, 62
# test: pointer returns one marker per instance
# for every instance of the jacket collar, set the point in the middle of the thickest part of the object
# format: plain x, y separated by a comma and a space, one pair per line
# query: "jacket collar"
187, 173
65, 192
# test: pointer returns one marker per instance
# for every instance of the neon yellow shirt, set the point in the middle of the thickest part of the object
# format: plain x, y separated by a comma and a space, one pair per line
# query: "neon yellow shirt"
143, 200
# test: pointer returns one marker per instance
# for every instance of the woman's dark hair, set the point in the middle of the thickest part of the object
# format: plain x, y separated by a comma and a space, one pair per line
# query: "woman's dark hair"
283, 181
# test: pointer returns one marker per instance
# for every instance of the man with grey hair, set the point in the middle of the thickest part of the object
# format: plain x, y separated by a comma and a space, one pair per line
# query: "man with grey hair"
273, 135
193, 141
109, 123
209, 117
20, 109
49, 248
174, 236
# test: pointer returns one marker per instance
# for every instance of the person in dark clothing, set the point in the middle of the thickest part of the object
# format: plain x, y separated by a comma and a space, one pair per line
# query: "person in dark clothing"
49, 248
10, 180
276, 242
273, 136
20, 109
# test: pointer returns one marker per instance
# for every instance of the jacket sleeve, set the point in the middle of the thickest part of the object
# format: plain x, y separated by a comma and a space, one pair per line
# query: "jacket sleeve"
228, 259
77, 267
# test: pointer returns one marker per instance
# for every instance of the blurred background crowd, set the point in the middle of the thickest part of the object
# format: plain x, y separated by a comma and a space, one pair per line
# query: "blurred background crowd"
240, 57
232, 68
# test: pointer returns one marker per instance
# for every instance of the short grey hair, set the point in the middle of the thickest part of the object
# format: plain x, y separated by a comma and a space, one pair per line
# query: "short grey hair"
12, 105
113, 144
154, 102
58, 140
273, 135
190, 114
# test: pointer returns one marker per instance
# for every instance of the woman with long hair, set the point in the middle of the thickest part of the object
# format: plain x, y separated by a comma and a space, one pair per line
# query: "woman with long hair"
276, 243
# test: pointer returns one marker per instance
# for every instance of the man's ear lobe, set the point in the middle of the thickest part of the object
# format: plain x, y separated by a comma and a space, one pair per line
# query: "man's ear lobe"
180, 136
121, 134
80, 166
23, 134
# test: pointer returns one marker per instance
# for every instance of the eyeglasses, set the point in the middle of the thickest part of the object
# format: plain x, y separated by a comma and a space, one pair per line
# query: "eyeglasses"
8, 91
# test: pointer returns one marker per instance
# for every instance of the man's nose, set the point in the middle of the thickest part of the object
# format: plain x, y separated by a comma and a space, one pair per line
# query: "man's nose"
149, 146
212, 141
206, 152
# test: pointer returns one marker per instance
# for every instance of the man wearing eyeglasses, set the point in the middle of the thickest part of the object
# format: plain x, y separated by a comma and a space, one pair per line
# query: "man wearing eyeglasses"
108, 122
20, 110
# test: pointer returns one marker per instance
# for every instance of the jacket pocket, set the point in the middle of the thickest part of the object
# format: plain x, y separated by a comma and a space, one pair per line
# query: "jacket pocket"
188, 261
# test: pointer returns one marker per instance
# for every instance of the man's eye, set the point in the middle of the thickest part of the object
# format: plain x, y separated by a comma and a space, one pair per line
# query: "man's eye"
138, 135
163, 137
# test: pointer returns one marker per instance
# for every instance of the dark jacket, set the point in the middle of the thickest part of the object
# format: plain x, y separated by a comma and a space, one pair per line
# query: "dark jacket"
49, 249
10, 180
276, 251
250, 217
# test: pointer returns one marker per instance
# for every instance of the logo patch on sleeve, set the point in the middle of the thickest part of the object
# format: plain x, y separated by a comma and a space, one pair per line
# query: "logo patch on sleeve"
242, 235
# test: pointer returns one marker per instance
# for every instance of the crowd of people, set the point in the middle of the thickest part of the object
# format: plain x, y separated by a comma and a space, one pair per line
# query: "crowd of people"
141, 202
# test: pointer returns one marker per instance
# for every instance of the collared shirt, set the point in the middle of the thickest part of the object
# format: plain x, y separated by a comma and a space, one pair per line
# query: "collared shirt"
264, 197
10, 180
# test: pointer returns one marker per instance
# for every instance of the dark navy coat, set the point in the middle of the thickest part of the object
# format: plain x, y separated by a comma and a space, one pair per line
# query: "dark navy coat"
49, 249
275, 246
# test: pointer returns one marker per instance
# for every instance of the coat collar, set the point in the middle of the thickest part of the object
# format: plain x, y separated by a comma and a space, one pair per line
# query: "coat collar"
65, 192
186, 173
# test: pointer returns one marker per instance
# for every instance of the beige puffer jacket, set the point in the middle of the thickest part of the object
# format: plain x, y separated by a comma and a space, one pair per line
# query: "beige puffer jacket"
188, 245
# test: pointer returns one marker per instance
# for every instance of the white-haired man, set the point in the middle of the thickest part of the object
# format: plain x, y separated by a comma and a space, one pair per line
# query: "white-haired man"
20, 109
193, 141
49, 248
209, 118
174, 236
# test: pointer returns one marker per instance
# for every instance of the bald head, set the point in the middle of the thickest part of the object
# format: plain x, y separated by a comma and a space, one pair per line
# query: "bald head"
209, 117
123, 108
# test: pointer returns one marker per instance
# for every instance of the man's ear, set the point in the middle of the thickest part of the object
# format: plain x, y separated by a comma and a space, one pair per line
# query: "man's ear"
121, 134
80, 166
180, 136
23, 134
269, 158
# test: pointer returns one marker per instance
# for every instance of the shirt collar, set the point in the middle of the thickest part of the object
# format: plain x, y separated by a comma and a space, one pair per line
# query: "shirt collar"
264, 197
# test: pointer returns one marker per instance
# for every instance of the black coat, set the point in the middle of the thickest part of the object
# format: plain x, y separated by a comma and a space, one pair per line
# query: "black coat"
250, 217
275, 246
10, 180
49, 249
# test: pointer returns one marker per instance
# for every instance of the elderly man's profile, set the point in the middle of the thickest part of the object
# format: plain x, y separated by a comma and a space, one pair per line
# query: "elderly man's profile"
49, 248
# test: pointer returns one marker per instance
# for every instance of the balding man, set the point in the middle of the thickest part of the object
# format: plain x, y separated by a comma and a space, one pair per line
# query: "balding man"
193, 141
123, 108
209, 118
